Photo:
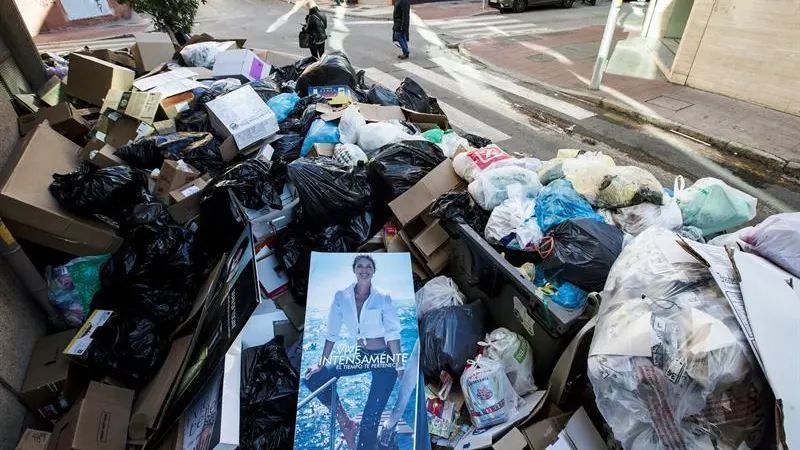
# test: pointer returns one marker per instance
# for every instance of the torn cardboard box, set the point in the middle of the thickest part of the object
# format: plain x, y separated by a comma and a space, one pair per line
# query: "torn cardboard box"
241, 64
65, 120
52, 91
103, 157
185, 201
243, 115
91, 78
151, 49
416, 200
173, 175
117, 130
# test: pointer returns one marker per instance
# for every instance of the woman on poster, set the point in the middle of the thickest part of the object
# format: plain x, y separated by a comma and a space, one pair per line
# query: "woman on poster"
372, 321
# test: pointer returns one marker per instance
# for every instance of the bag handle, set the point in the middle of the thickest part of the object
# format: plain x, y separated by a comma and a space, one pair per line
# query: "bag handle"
560, 375
679, 185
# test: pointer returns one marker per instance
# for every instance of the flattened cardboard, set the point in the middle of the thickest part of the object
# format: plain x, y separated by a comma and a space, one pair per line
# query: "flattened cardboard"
416, 200
139, 105
151, 49
167, 78
431, 238
172, 176
52, 91
30, 210
186, 200
91, 78
47, 374
33, 440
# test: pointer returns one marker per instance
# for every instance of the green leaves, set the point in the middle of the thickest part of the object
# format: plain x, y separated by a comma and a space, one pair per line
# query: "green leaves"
168, 15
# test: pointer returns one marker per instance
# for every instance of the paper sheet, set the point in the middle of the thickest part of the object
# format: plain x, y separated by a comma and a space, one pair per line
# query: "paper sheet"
148, 83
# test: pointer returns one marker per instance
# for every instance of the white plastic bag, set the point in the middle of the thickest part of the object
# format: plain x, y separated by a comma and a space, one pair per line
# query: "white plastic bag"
730, 239
713, 206
513, 223
349, 154
529, 163
490, 189
586, 173
470, 164
451, 142
373, 136
778, 239
592, 164
489, 396
515, 353
627, 186
204, 54
438, 293
637, 218
350, 124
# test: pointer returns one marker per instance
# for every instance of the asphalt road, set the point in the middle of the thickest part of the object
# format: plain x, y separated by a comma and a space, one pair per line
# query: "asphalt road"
521, 118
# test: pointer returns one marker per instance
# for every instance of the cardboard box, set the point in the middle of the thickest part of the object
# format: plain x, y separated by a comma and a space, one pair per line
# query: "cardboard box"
243, 115
416, 200
321, 150
104, 157
139, 105
26, 123
426, 122
185, 201
120, 58
33, 440
573, 431
65, 120
176, 104
47, 375
52, 91
31, 212
98, 422
118, 130
151, 49
81, 340
371, 113
241, 64
164, 127
173, 175
336, 95
431, 239
91, 78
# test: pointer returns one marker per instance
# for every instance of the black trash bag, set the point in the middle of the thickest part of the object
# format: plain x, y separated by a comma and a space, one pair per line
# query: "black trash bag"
107, 194
205, 158
306, 118
250, 181
220, 222
149, 152
302, 105
166, 308
269, 391
288, 147
413, 97
218, 88
330, 193
292, 71
151, 212
394, 168
193, 121
361, 229
381, 95
459, 207
581, 251
476, 141
266, 88
449, 337
333, 69
128, 348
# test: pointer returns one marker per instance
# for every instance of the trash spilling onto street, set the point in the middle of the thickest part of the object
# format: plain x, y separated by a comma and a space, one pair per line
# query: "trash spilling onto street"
266, 257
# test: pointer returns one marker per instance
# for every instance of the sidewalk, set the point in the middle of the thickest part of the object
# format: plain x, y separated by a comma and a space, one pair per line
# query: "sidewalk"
563, 61
135, 24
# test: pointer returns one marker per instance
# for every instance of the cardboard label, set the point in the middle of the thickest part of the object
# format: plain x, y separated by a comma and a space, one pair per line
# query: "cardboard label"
100, 136
80, 343
190, 190
521, 313
256, 69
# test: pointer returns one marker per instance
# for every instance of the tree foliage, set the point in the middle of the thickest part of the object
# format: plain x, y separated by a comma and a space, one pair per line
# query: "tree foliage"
168, 15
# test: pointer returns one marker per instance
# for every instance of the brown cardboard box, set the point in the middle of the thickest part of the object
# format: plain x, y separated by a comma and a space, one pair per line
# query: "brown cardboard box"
371, 113
430, 239
164, 127
66, 120
98, 422
173, 175
47, 375
426, 121
33, 440
31, 210
26, 123
104, 157
151, 49
185, 201
439, 260
176, 104
321, 150
120, 58
91, 78
117, 130
416, 200
52, 91
139, 105
27, 102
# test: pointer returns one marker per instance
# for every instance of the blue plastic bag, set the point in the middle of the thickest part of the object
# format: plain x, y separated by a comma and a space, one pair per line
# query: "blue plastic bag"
566, 294
558, 202
283, 105
321, 132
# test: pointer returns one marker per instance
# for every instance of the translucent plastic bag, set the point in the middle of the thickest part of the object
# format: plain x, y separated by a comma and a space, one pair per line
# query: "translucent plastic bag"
513, 223
321, 132
713, 206
586, 173
590, 164
283, 105
438, 293
559, 202
488, 394
668, 347
203, 54
350, 124
451, 142
515, 353
490, 189
627, 186
373, 136
349, 154
71, 287
635, 219
470, 164
778, 239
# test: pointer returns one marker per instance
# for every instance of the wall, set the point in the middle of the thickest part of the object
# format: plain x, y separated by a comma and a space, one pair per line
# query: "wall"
743, 49
48, 15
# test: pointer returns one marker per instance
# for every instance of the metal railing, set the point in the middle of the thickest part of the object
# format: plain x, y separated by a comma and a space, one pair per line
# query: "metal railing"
332, 382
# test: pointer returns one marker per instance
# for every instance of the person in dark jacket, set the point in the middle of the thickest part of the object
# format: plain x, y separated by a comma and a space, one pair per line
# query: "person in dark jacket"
402, 25
316, 25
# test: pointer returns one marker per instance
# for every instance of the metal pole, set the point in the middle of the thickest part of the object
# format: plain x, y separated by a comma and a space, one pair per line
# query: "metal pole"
314, 394
605, 45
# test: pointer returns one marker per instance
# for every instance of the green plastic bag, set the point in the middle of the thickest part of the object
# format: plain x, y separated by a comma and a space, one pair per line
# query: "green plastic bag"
72, 286
434, 135
713, 206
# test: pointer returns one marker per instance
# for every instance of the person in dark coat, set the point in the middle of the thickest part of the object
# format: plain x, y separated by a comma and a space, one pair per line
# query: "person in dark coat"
402, 25
316, 25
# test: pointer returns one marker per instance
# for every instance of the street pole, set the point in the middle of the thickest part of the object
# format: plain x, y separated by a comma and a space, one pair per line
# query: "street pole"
605, 45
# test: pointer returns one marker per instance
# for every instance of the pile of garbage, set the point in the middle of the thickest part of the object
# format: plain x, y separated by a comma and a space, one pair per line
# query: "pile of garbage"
194, 183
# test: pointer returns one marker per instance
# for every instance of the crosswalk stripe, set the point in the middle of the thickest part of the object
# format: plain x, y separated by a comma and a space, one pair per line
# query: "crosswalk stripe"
458, 118
501, 31
576, 112
477, 25
483, 19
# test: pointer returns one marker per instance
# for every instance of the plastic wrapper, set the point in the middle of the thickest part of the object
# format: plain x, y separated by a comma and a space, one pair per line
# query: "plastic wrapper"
582, 252
320, 132
254, 183
778, 239
476, 141
193, 121
283, 105
513, 224
627, 186
459, 207
395, 168
373, 136
668, 347
491, 188
713, 206
149, 152
514, 352
529, 163
438, 293
381, 95
267, 89
451, 143
558, 202
349, 154
470, 164
202, 54
635, 219
449, 337
71, 287
268, 398
488, 394
553, 289
333, 69
350, 124
330, 193
411, 96
106, 194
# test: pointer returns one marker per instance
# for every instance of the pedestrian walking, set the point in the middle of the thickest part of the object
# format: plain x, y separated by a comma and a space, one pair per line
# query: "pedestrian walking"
401, 26
316, 28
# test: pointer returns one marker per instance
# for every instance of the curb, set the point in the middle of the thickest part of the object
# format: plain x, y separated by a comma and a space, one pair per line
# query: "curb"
750, 153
